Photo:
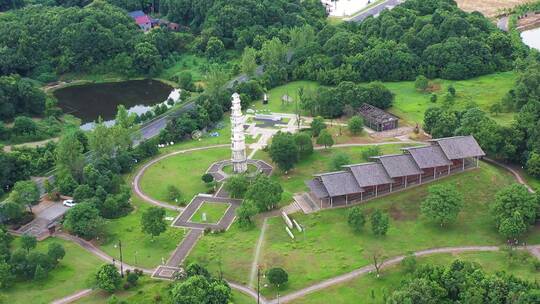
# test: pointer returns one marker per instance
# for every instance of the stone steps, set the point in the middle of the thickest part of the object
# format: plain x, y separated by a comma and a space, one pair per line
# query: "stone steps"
305, 203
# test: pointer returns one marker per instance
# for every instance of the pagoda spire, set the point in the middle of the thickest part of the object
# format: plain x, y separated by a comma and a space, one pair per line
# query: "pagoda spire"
238, 143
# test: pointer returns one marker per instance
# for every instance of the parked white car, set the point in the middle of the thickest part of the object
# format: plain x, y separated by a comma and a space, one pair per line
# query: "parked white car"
69, 203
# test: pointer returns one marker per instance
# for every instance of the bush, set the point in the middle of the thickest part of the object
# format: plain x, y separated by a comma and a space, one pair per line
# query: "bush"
433, 98
173, 193
277, 276
339, 160
207, 178
409, 263
356, 125
421, 83
356, 219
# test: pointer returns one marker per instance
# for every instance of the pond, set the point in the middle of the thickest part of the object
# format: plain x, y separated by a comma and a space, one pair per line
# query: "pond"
532, 38
90, 101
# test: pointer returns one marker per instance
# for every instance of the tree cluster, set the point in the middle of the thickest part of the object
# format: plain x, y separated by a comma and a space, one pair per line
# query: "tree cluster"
26, 263
287, 149
463, 282
199, 286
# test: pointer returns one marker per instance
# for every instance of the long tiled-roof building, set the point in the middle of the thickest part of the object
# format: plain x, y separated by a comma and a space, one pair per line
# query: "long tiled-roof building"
390, 173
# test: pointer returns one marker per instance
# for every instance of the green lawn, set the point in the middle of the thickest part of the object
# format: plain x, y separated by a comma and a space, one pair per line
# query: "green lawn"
331, 248
363, 287
213, 212
187, 63
72, 274
319, 162
410, 104
139, 248
231, 251
183, 171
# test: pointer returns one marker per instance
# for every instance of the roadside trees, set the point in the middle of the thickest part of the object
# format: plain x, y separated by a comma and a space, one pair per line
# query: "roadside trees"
317, 125
237, 186
108, 278
25, 193
325, 139
277, 276
83, 220
265, 193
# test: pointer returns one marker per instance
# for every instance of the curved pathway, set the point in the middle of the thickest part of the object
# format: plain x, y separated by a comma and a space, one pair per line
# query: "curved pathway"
136, 181
516, 174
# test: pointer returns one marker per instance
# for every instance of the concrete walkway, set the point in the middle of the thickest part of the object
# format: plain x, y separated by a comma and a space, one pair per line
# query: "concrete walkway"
185, 247
73, 297
136, 181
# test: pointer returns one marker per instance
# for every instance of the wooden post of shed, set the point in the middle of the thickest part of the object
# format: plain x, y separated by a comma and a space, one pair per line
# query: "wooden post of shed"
420, 178
434, 173
376, 190
346, 199
463, 167
406, 181
449, 169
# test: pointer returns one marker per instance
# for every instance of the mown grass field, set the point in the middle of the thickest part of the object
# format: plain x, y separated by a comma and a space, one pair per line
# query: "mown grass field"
183, 171
138, 248
275, 103
371, 289
332, 248
213, 212
72, 274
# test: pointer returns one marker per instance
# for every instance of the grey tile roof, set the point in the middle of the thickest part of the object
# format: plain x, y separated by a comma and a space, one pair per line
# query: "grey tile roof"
399, 165
429, 156
460, 147
370, 174
317, 188
340, 183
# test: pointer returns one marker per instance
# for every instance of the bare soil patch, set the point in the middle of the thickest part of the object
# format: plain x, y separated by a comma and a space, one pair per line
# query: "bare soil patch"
490, 8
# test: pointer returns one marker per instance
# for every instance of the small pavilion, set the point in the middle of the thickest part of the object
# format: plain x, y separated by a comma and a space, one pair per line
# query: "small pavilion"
377, 119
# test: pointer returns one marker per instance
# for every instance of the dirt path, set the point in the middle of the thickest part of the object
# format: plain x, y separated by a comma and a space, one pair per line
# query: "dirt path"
73, 297
136, 181
256, 255
516, 174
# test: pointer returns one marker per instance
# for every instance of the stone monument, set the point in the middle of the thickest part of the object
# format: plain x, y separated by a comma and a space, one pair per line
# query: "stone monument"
238, 144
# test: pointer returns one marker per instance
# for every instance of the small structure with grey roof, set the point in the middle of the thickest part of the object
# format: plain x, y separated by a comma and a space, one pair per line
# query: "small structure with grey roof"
417, 165
377, 119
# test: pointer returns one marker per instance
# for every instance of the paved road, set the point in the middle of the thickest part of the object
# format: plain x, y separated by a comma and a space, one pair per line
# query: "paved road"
375, 10
182, 251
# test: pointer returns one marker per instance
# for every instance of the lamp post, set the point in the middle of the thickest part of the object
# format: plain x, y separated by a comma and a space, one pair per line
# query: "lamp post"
258, 283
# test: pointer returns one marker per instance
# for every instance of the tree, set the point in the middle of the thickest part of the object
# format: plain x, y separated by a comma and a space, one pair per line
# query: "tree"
108, 278
325, 139
83, 220
25, 193
304, 144
443, 204
356, 219
123, 118
23, 125
277, 276
207, 178
6, 276
40, 273
215, 48
153, 221
249, 61
69, 155
237, 185
339, 160
146, 58
265, 193
513, 227
185, 80
452, 90
245, 213
28, 242
533, 164
379, 222
317, 125
409, 263
371, 152
173, 193
356, 125
433, 98
284, 151
56, 252
510, 203
200, 289
421, 83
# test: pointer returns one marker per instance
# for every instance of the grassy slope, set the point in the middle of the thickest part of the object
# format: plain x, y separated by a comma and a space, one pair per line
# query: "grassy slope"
331, 248
71, 275
274, 97
363, 287
410, 104
183, 171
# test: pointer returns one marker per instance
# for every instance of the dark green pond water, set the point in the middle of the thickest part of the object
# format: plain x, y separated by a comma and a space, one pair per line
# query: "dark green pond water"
89, 101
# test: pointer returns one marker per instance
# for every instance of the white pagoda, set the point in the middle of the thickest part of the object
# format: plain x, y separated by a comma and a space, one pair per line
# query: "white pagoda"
238, 143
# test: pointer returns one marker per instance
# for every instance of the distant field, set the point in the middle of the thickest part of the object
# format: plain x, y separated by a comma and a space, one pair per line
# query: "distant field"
411, 104
490, 8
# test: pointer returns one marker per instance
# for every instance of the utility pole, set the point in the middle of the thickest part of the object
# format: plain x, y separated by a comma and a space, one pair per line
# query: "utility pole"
121, 259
